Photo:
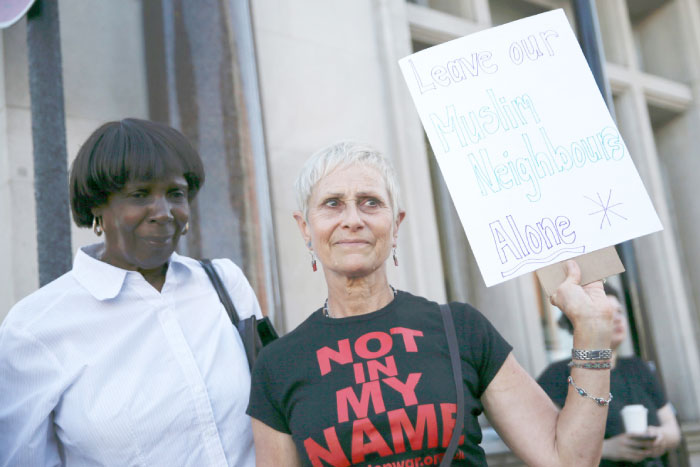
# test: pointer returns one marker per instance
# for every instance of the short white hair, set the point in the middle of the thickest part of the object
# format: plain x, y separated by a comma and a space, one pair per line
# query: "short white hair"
344, 154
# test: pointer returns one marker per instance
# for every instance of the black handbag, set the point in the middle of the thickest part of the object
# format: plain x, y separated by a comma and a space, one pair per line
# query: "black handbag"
255, 333
451, 335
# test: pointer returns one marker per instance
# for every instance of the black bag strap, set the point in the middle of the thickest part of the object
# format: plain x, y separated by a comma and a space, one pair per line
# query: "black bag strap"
220, 290
455, 359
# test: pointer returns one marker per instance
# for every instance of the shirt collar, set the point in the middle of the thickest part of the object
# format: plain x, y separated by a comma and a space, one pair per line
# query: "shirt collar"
177, 259
103, 280
179, 264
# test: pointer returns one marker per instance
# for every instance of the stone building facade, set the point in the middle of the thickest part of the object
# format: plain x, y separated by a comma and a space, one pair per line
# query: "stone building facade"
260, 85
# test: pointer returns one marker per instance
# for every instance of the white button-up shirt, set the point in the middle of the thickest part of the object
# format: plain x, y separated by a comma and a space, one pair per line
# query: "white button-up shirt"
99, 368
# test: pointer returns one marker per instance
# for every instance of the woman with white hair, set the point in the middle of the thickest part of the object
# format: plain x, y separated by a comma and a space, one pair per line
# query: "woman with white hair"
367, 378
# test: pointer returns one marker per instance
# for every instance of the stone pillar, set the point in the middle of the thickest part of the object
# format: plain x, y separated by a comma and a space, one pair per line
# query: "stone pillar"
19, 267
6, 276
49, 141
202, 80
668, 310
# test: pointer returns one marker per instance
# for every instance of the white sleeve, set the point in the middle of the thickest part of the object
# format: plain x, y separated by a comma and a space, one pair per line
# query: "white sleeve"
31, 382
239, 288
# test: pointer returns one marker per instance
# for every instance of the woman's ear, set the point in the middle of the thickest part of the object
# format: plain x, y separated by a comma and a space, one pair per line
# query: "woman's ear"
397, 223
303, 226
96, 211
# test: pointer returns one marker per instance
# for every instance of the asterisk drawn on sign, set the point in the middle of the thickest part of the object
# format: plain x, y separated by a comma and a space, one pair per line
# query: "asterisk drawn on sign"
606, 208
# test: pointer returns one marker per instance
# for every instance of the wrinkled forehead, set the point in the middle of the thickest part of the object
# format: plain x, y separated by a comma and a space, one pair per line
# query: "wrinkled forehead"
351, 180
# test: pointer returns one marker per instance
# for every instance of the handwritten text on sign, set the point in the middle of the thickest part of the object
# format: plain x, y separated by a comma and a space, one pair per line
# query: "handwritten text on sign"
534, 163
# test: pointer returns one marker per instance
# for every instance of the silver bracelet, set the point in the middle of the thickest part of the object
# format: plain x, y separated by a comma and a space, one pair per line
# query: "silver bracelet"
591, 365
582, 392
603, 354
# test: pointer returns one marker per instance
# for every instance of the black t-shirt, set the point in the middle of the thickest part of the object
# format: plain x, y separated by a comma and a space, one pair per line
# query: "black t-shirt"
631, 382
377, 388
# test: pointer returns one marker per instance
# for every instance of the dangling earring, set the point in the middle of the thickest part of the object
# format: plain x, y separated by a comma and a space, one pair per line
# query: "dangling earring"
186, 228
313, 256
313, 261
97, 226
396, 260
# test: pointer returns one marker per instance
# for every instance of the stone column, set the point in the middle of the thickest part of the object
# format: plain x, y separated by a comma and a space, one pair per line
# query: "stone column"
202, 80
49, 141
669, 311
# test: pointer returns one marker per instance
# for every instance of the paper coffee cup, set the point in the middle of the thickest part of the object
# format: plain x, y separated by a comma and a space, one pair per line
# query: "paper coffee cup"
635, 418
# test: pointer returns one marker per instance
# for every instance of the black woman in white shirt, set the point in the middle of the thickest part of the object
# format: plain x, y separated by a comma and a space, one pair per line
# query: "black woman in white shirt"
129, 358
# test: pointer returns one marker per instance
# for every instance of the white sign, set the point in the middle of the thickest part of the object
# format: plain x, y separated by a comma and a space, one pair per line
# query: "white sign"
533, 161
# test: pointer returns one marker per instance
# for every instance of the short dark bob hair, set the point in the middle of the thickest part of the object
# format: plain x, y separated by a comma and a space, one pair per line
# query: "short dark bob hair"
128, 150
564, 321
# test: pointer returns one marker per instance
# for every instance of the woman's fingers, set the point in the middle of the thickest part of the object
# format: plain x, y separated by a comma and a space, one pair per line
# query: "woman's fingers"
570, 288
586, 306
573, 272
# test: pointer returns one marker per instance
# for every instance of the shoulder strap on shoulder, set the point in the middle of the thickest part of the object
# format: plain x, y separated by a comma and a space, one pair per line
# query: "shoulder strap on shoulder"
220, 290
455, 359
